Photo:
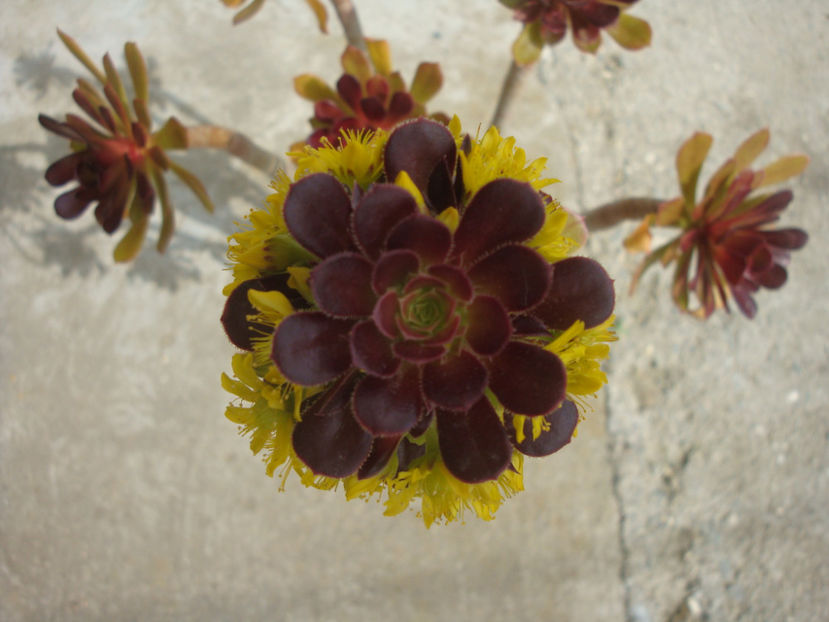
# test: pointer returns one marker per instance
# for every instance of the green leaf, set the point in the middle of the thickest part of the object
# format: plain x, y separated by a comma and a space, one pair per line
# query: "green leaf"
689, 161
173, 135
427, 81
114, 80
140, 107
650, 260
630, 32
138, 70
131, 243
356, 63
527, 47
380, 55
783, 169
319, 11
194, 183
78, 53
313, 88
751, 148
168, 218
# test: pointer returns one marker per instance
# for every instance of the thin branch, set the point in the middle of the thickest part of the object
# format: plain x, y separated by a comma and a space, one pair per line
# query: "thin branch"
611, 214
512, 80
239, 145
351, 23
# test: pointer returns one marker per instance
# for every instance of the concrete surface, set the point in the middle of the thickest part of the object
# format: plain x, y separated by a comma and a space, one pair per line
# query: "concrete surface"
696, 491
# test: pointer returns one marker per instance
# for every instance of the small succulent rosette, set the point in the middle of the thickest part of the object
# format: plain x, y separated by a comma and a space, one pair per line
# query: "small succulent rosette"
369, 95
412, 324
546, 23
252, 8
117, 161
726, 247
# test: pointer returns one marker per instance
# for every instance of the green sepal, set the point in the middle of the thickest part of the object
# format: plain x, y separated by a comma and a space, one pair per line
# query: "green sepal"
283, 251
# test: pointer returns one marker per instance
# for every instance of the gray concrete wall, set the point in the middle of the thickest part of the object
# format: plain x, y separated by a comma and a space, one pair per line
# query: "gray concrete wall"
698, 488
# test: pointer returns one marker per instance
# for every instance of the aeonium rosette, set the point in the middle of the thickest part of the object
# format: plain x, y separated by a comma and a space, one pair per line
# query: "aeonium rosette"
414, 322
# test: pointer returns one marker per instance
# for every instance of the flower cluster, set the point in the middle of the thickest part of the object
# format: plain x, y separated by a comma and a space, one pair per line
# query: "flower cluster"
725, 239
413, 324
369, 95
117, 160
546, 23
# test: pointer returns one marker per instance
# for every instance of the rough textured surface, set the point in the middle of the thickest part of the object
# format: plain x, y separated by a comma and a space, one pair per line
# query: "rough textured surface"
696, 491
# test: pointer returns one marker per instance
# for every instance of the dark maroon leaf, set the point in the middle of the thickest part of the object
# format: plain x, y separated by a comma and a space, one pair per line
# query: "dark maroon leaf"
528, 325
377, 213
774, 277
310, 348
388, 406
427, 237
489, 326
408, 452
393, 269
326, 110
418, 147
562, 422
328, 439
64, 170
382, 449
73, 203
234, 319
400, 106
417, 352
473, 444
61, 129
341, 285
373, 109
502, 212
581, 290
790, 239
422, 425
317, 212
371, 350
350, 90
455, 279
516, 275
377, 86
385, 314
455, 382
527, 379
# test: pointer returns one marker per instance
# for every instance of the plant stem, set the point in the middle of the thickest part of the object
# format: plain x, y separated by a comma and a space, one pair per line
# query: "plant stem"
351, 23
611, 214
508, 89
239, 145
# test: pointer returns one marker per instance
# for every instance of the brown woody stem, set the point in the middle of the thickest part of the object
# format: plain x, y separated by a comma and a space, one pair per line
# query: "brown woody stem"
239, 145
347, 15
611, 214
508, 89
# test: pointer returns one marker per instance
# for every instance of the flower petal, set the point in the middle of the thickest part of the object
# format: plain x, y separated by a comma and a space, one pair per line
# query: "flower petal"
341, 285
317, 212
473, 445
371, 350
581, 290
562, 422
377, 213
455, 382
503, 211
489, 326
527, 379
328, 439
427, 237
516, 275
388, 406
418, 147
310, 348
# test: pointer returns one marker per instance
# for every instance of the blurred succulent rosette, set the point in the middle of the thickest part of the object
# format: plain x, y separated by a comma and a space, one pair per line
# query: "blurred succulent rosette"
117, 160
411, 320
369, 95
546, 23
726, 247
